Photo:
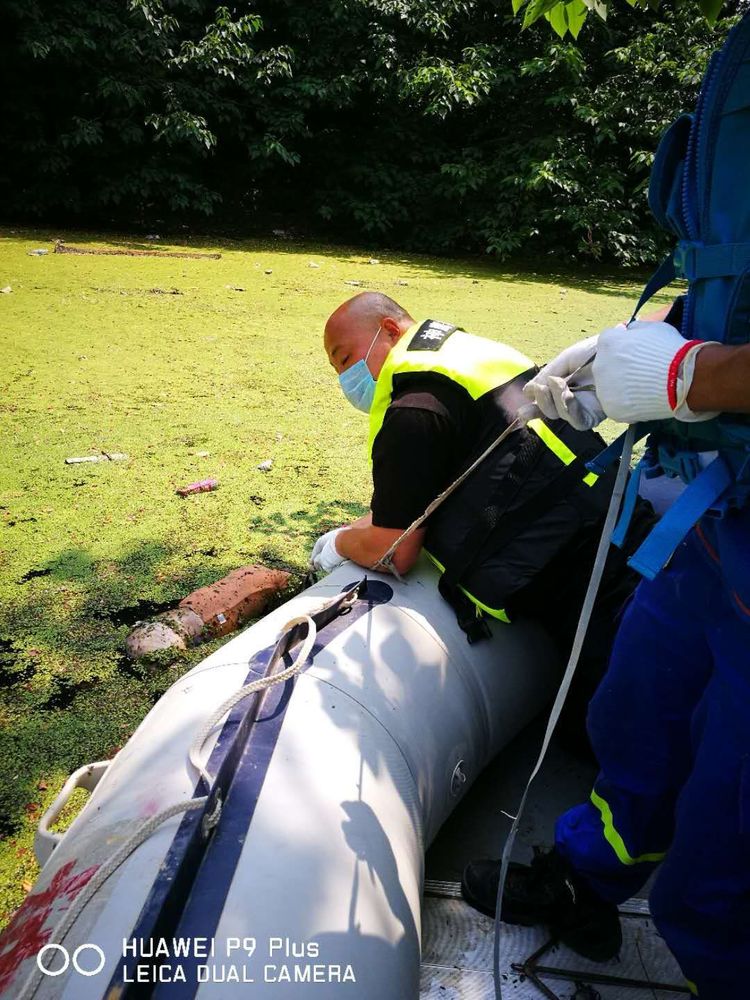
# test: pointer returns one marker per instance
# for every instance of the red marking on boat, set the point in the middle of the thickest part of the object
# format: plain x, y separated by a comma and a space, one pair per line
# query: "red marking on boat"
27, 933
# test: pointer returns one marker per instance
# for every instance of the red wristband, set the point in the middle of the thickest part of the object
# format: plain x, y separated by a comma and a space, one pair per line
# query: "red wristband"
674, 368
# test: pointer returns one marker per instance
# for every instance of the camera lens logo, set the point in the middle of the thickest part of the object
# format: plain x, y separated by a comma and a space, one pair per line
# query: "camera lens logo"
50, 967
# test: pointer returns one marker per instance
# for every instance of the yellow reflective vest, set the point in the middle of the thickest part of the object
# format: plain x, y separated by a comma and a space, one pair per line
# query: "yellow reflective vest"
526, 500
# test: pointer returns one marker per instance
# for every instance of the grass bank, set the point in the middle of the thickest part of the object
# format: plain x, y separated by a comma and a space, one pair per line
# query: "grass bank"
168, 359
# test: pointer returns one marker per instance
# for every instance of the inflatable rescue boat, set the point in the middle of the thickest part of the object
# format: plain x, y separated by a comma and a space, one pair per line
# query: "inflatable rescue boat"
262, 833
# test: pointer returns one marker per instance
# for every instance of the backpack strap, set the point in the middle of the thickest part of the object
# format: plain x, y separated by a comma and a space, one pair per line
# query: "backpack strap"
470, 619
687, 509
497, 527
628, 504
664, 275
695, 261
601, 462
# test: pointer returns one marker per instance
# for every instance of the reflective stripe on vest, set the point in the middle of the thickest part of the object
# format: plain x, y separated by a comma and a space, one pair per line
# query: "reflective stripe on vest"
475, 363
614, 839
558, 447
479, 366
499, 613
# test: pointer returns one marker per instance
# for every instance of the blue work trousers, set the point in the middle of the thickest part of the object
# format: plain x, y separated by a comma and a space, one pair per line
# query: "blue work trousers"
670, 726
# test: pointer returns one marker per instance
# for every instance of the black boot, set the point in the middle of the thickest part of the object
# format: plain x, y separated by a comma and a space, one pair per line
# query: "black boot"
547, 892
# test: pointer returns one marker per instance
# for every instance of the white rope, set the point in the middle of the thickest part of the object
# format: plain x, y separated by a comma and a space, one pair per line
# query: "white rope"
261, 684
97, 881
205, 666
583, 624
525, 414
144, 831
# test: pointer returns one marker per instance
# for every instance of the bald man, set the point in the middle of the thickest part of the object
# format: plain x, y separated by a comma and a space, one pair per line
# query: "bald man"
358, 338
519, 536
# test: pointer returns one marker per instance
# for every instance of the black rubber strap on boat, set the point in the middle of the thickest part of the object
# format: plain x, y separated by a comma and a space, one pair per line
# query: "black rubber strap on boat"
240, 762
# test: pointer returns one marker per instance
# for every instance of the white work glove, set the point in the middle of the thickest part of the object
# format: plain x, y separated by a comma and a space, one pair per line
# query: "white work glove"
325, 555
644, 372
555, 397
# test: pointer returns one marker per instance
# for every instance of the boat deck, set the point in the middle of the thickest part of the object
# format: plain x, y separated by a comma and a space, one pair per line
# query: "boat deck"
457, 942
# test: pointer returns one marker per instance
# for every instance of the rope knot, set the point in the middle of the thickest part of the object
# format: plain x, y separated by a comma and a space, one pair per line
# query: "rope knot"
210, 820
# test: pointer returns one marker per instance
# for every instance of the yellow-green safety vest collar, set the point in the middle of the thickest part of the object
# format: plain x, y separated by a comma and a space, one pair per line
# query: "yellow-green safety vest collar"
474, 363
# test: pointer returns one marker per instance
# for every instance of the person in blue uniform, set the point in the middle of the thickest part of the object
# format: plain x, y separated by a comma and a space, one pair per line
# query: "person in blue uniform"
670, 722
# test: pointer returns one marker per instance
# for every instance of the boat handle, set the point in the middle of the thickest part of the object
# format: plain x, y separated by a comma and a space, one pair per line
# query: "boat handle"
88, 777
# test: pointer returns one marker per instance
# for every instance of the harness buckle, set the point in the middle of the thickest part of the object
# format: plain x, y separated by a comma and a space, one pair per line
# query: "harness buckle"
676, 463
684, 259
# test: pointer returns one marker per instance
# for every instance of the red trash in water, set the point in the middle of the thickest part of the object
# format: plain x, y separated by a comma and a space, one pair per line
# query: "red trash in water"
202, 486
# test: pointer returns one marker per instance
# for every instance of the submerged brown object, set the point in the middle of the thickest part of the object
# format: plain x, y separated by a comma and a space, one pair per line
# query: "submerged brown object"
61, 247
211, 611
244, 593
176, 629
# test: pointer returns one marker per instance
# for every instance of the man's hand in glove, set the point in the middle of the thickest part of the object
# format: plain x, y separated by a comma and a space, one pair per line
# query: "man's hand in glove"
555, 397
325, 556
641, 372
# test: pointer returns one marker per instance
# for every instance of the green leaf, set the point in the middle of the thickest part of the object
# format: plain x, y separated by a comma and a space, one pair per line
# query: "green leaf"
567, 17
711, 9
598, 6
576, 14
538, 8
518, 4
558, 18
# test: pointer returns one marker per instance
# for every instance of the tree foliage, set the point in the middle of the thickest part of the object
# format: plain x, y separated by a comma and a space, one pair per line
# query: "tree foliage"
569, 16
432, 126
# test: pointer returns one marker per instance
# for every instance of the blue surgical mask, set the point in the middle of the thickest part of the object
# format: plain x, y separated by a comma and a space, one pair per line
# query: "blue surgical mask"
357, 382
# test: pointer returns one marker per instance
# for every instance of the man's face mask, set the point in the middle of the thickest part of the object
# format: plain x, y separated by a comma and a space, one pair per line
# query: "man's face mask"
357, 382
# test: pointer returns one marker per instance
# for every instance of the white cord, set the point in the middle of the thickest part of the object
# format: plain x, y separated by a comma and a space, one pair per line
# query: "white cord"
583, 623
102, 874
144, 831
261, 684
527, 412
